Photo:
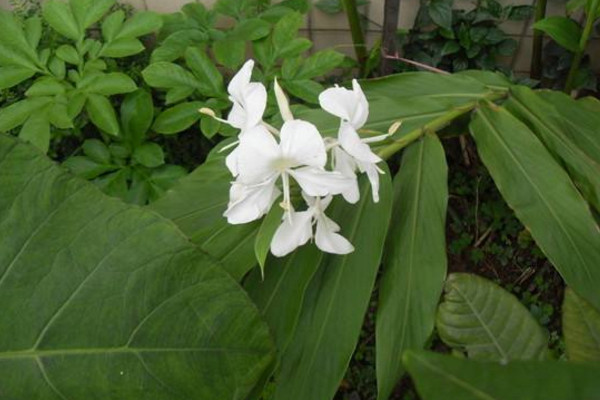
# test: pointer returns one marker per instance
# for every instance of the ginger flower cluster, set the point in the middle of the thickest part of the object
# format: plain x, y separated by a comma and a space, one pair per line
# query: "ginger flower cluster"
267, 162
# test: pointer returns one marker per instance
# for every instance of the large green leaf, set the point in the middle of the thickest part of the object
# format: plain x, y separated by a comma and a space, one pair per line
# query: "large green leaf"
542, 196
414, 261
442, 377
59, 16
563, 30
336, 301
488, 322
106, 300
169, 75
547, 123
196, 204
15, 49
581, 328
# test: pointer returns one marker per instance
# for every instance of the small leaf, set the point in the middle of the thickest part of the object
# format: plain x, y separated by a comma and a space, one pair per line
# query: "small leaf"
230, 53
112, 24
142, 23
17, 113
149, 154
267, 229
250, 29
109, 84
488, 322
137, 114
169, 75
450, 47
12, 75
286, 30
563, 30
86, 168
33, 31
120, 48
68, 54
36, 130
176, 94
295, 48
440, 11
177, 119
59, 116
58, 68
59, 16
88, 12
102, 113
304, 89
581, 328
209, 126
320, 63
96, 151
206, 72
45, 86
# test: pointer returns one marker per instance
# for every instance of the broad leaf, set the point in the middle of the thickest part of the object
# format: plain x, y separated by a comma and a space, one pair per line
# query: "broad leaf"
320, 63
206, 72
137, 114
11, 76
59, 16
581, 328
149, 154
547, 123
88, 12
442, 377
105, 300
563, 30
36, 130
142, 23
488, 322
123, 47
542, 196
169, 75
110, 84
16, 114
177, 119
200, 216
336, 300
415, 259
102, 114
440, 11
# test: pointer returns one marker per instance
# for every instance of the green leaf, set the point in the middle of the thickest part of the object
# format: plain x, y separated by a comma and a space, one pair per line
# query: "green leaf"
86, 168
267, 229
304, 89
169, 75
175, 45
547, 123
45, 86
440, 11
488, 322
450, 47
109, 84
149, 154
112, 25
36, 130
15, 44
96, 151
250, 29
230, 53
114, 183
442, 377
581, 328
414, 260
137, 114
177, 119
16, 114
58, 115
336, 300
286, 30
542, 196
176, 94
562, 30
574, 5
142, 23
59, 16
12, 75
68, 54
200, 216
320, 63
102, 114
206, 72
33, 31
507, 47
295, 48
209, 126
88, 12
120, 48
102, 291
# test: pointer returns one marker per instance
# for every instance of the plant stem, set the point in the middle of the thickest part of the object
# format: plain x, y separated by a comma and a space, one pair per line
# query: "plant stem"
358, 37
585, 35
436, 124
390, 28
538, 41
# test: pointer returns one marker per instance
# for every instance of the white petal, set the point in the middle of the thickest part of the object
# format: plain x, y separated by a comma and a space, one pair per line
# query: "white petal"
248, 109
255, 155
231, 161
361, 110
238, 83
248, 204
349, 105
344, 163
328, 240
283, 103
302, 142
318, 182
295, 230
373, 175
350, 141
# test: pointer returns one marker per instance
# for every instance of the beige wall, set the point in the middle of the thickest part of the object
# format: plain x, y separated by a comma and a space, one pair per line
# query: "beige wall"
326, 30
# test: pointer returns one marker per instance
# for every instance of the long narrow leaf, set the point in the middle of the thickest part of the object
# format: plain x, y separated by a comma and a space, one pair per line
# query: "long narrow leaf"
581, 328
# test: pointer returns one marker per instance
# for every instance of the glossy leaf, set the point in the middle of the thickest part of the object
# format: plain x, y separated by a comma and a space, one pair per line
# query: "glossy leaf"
488, 322
563, 30
336, 300
201, 218
414, 260
206, 72
179, 118
548, 124
443, 377
581, 328
106, 300
542, 196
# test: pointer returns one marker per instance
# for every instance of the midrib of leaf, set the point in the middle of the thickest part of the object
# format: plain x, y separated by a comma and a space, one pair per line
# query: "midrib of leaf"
557, 134
454, 379
481, 321
539, 193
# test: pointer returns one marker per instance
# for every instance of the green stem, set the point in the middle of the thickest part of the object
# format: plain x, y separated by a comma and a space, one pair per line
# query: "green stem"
538, 38
585, 35
358, 37
436, 124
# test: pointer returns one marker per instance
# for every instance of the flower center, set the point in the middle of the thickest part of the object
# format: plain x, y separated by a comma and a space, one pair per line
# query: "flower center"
282, 164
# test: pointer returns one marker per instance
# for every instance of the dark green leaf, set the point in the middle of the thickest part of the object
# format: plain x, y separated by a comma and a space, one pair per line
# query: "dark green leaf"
206, 72
304, 89
230, 53
450, 47
137, 114
319, 64
440, 11
169, 75
178, 118
102, 114
563, 30
265, 234
581, 328
86, 168
250, 29
36, 130
414, 259
96, 151
149, 154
